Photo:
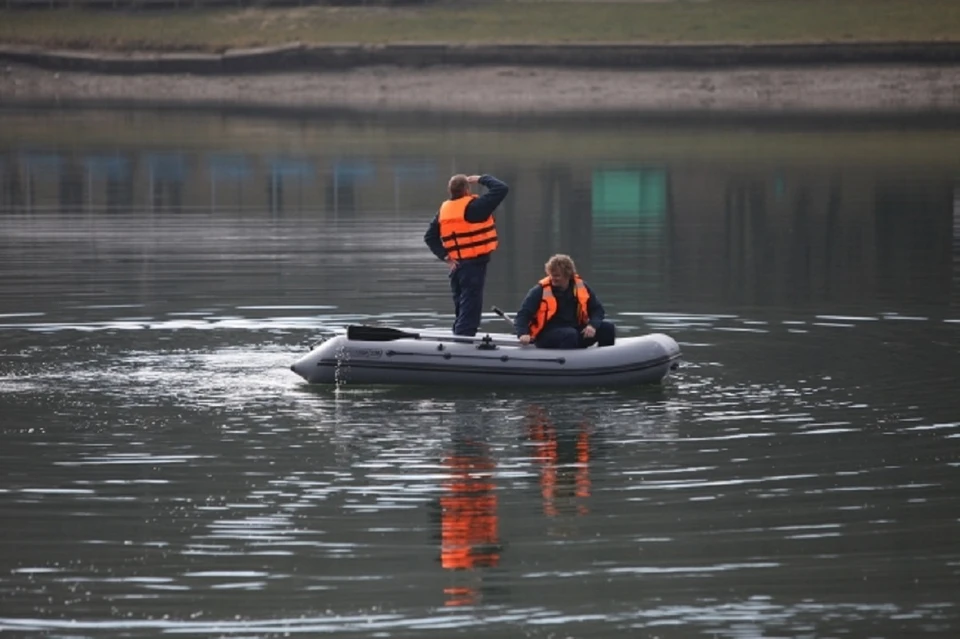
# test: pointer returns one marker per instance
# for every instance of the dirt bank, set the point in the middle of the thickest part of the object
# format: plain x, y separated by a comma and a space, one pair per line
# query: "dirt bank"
515, 90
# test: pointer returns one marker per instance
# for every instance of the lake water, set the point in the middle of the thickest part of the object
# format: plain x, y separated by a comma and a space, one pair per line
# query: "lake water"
165, 473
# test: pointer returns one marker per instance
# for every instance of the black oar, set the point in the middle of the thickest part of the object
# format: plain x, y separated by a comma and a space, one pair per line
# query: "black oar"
496, 309
381, 334
386, 334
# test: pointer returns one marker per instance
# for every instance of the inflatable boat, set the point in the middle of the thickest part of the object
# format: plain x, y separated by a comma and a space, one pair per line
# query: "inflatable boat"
385, 355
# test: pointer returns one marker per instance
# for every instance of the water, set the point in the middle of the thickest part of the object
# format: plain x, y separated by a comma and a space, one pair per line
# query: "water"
163, 472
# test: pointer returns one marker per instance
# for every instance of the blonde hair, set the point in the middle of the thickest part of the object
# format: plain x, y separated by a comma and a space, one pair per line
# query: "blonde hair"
458, 186
561, 263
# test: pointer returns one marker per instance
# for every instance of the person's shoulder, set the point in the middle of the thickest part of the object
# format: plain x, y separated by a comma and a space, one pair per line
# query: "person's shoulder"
592, 291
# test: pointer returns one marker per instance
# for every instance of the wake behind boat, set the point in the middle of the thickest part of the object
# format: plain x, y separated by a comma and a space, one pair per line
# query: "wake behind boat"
384, 355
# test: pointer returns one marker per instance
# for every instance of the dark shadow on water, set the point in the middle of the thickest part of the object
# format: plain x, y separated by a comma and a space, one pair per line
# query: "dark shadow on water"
648, 393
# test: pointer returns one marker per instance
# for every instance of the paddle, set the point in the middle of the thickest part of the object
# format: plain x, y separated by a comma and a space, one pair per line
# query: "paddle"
387, 334
496, 309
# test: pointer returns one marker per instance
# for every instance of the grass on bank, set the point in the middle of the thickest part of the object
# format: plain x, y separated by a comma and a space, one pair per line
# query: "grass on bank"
534, 21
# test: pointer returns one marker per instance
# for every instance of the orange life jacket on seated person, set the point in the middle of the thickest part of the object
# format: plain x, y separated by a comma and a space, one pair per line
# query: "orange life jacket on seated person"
548, 305
465, 240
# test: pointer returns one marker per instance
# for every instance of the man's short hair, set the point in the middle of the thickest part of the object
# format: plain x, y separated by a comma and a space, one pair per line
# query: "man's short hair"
458, 186
561, 263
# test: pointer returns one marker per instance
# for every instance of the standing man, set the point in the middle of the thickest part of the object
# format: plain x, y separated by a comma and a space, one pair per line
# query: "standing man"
463, 234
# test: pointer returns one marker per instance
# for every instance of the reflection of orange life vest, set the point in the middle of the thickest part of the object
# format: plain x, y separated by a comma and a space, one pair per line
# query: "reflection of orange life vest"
468, 531
460, 596
548, 305
583, 467
465, 240
544, 434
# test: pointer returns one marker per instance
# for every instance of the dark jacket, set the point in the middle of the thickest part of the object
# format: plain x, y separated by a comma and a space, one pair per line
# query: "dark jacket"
477, 211
566, 310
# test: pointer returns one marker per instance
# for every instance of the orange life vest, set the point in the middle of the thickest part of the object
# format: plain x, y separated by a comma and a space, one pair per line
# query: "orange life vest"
548, 305
465, 240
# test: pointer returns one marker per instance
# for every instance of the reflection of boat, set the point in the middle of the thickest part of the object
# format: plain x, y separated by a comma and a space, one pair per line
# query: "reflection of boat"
382, 355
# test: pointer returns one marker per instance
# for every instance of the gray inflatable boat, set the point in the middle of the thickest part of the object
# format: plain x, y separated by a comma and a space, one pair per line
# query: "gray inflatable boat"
384, 355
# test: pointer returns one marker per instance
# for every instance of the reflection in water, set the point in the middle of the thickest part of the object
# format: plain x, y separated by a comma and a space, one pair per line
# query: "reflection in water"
469, 530
564, 461
166, 175
955, 296
165, 473
668, 233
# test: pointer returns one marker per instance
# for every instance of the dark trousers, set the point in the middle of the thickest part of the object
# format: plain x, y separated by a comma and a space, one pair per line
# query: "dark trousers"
466, 284
568, 337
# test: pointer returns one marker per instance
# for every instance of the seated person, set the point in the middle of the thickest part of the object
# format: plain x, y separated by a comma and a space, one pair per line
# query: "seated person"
561, 311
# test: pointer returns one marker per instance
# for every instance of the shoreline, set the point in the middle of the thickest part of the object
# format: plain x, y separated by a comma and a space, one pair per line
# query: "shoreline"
298, 57
885, 78
512, 90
